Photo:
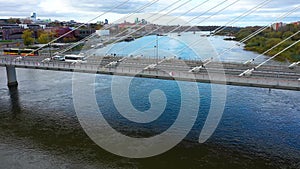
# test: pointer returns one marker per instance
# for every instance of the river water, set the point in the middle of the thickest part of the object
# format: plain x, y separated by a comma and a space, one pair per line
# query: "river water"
39, 127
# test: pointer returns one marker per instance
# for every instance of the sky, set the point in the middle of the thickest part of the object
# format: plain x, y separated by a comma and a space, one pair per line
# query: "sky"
168, 12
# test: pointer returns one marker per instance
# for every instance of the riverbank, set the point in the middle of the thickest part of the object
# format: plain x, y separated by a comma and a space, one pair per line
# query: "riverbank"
270, 38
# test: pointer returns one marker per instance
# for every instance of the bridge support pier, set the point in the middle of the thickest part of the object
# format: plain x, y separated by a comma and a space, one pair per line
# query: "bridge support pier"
11, 76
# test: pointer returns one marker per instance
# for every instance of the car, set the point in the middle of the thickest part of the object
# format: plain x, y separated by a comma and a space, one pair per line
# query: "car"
58, 58
112, 64
151, 67
46, 60
197, 69
19, 58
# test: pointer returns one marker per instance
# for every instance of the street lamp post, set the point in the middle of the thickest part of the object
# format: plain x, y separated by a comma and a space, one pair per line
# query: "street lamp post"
50, 52
156, 48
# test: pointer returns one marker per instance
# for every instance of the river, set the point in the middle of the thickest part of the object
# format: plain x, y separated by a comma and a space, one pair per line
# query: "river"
39, 127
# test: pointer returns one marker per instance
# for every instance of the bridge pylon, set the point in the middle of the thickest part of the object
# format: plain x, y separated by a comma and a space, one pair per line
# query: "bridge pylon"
11, 76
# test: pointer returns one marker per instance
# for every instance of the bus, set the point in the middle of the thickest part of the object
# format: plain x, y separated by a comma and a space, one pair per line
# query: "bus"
22, 52
75, 58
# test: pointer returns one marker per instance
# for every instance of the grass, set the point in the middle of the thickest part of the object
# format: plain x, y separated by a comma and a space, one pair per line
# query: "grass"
5, 41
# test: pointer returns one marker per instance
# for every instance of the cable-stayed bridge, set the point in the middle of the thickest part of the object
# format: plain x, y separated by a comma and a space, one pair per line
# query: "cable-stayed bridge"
267, 76
243, 74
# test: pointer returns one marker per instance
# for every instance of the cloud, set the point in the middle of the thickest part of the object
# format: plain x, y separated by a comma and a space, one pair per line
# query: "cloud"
108, 5
262, 16
84, 10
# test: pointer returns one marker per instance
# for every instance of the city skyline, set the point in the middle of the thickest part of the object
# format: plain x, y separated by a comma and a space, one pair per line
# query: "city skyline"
84, 11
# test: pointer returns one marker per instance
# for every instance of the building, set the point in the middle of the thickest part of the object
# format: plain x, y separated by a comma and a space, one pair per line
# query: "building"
59, 31
103, 32
277, 26
33, 16
11, 32
82, 33
125, 25
3, 21
144, 22
296, 23
280, 25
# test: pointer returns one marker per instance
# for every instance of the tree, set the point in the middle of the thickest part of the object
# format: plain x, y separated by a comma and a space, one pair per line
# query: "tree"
69, 39
96, 26
14, 21
272, 42
287, 34
27, 37
270, 38
243, 33
44, 37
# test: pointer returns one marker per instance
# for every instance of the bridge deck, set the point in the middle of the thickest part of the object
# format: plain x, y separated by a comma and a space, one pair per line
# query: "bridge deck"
267, 76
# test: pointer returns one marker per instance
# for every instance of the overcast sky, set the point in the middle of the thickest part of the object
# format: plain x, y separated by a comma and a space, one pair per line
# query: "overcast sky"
85, 10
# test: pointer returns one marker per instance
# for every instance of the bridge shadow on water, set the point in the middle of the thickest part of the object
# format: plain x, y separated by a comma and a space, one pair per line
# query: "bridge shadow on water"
14, 99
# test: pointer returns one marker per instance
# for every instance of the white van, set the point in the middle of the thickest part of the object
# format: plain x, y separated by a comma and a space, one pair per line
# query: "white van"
75, 58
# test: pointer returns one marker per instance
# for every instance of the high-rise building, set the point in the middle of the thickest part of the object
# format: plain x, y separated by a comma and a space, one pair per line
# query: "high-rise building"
33, 16
144, 21
277, 26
